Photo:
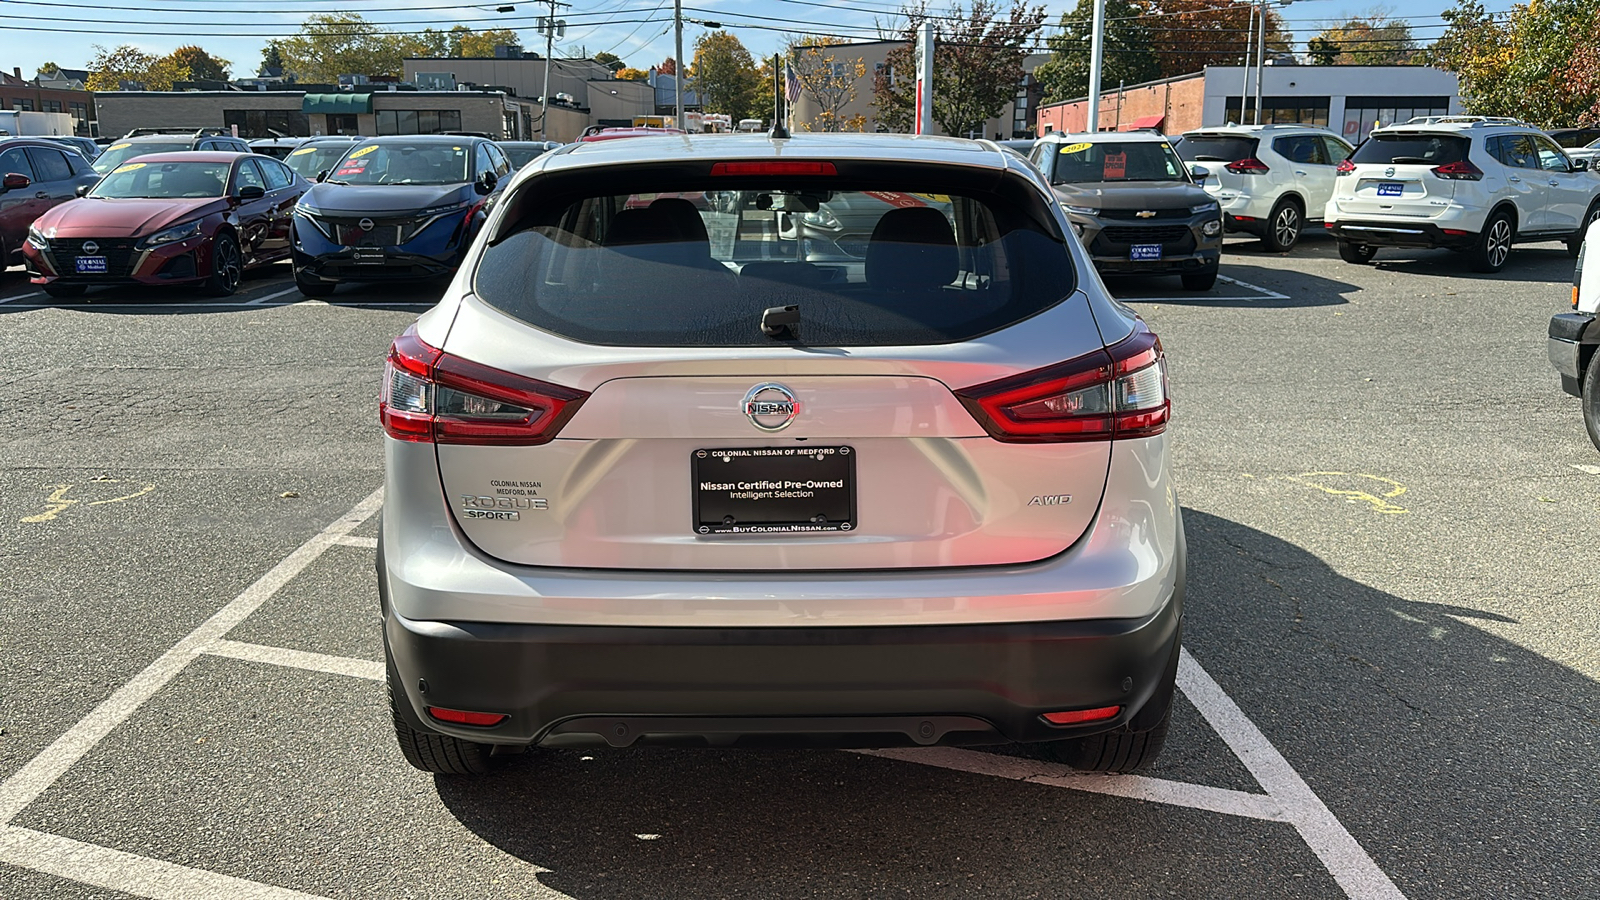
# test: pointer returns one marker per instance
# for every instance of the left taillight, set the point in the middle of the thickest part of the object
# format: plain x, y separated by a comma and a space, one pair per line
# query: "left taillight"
1116, 393
430, 396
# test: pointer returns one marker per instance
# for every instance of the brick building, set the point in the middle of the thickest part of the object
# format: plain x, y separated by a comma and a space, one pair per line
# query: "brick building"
61, 95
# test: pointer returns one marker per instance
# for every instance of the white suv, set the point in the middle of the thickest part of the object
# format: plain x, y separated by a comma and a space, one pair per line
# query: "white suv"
1468, 183
1269, 179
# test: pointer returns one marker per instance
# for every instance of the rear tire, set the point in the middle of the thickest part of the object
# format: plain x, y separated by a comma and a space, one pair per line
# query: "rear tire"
1133, 746
1360, 254
1591, 399
1493, 246
313, 288
431, 752
1284, 226
66, 291
1199, 281
1575, 243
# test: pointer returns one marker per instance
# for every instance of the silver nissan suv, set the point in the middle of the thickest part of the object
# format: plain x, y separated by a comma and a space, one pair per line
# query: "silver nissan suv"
654, 476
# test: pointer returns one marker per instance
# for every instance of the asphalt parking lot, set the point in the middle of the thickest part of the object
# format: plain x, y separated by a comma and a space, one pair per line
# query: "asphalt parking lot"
1392, 685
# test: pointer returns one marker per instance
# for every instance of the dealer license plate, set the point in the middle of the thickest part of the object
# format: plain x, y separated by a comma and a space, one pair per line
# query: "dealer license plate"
1145, 252
367, 257
1390, 189
91, 265
774, 490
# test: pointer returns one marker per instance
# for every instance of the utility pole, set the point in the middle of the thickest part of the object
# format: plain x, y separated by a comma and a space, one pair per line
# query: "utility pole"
1244, 87
677, 72
548, 26
1261, 56
1097, 43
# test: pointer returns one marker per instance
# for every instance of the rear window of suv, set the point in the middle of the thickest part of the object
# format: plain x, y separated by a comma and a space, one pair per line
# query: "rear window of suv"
1216, 148
1412, 149
866, 264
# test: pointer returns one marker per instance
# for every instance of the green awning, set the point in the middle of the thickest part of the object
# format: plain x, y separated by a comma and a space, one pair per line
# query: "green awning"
337, 104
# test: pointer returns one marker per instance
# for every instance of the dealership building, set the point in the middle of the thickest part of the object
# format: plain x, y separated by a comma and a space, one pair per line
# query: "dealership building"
1350, 100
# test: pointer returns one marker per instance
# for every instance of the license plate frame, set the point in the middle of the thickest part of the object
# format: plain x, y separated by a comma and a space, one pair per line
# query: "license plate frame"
1391, 189
1145, 252
90, 265
773, 490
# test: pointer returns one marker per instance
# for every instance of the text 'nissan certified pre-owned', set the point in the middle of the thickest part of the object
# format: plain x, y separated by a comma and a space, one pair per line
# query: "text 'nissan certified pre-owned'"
650, 481
395, 209
189, 218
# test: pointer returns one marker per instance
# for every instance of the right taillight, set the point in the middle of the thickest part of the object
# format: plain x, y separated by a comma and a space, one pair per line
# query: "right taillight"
1247, 166
1345, 167
430, 396
1460, 170
1119, 392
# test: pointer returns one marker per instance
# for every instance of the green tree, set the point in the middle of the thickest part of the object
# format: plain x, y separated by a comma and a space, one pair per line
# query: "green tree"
482, 43
1371, 40
1188, 35
829, 77
610, 61
190, 63
48, 70
977, 62
110, 69
1323, 52
1528, 64
627, 74
334, 44
724, 74
1128, 56
271, 61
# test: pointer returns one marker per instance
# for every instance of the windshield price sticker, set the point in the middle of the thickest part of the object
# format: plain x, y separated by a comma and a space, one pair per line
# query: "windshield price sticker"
1076, 148
1116, 166
118, 147
363, 151
352, 167
303, 151
129, 167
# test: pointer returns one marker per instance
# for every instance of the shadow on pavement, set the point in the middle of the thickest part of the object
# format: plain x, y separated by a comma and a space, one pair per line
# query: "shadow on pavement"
1301, 289
261, 282
1544, 262
1463, 763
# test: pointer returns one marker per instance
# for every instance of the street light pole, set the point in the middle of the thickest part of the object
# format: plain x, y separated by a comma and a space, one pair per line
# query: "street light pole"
677, 73
1244, 86
1096, 50
1261, 56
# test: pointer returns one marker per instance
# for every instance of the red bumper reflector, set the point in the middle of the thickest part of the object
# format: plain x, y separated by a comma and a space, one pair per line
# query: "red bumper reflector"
1454, 231
1080, 716
461, 717
797, 167
1244, 218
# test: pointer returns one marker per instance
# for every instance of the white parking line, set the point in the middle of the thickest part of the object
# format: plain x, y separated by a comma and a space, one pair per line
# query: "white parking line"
260, 300
371, 543
1265, 294
1269, 294
33, 779
297, 659
127, 872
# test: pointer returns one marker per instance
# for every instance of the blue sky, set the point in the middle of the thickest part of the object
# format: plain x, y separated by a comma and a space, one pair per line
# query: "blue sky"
62, 31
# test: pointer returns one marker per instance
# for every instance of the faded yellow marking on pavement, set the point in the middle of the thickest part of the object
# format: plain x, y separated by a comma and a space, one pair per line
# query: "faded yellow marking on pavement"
1379, 501
58, 501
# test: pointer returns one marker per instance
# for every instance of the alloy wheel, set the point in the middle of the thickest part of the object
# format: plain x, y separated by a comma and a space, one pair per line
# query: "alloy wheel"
1499, 242
228, 266
1287, 226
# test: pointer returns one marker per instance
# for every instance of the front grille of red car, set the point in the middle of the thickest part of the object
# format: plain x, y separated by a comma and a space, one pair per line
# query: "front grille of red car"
119, 256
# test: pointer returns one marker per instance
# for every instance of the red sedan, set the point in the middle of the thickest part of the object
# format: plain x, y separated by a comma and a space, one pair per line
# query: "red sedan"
191, 218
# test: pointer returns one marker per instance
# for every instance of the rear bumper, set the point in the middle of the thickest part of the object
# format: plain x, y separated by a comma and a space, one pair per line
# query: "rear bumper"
1569, 343
1400, 234
892, 686
1200, 261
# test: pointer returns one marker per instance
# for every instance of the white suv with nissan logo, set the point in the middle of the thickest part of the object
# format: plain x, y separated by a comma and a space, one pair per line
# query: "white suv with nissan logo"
1268, 179
1470, 183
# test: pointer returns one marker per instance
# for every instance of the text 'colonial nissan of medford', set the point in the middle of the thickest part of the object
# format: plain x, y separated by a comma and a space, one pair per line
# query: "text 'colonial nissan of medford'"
656, 474
395, 209
1134, 204
197, 218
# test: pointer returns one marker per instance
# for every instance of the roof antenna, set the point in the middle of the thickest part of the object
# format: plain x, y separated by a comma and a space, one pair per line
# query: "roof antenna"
780, 115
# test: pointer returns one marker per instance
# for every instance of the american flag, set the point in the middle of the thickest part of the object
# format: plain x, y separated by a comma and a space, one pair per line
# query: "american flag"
791, 84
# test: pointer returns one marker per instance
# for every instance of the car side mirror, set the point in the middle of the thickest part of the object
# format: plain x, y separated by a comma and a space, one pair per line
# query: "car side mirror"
15, 181
323, 175
252, 192
1199, 171
486, 182
1580, 165
83, 190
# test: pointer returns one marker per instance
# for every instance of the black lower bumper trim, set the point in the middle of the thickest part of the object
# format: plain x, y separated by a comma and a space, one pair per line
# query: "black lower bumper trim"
1401, 234
864, 686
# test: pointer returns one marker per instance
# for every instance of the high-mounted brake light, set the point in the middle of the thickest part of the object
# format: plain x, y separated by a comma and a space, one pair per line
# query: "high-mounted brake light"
1345, 167
796, 167
1111, 394
1080, 716
430, 396
1247, 166
462, 717
1460, 170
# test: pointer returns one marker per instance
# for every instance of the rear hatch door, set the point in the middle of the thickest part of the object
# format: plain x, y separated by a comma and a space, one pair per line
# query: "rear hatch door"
1394, 175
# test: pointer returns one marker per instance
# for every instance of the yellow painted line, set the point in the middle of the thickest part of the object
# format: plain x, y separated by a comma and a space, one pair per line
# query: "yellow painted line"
1379, 501
58, 501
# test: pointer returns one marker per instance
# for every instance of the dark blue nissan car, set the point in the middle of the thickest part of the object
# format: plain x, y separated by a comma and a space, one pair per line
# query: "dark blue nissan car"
395, 209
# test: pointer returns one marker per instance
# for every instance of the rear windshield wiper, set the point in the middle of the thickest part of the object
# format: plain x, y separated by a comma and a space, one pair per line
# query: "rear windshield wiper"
779, 322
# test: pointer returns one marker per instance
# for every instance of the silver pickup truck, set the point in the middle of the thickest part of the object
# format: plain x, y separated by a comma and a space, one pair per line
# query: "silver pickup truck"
1574, 335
